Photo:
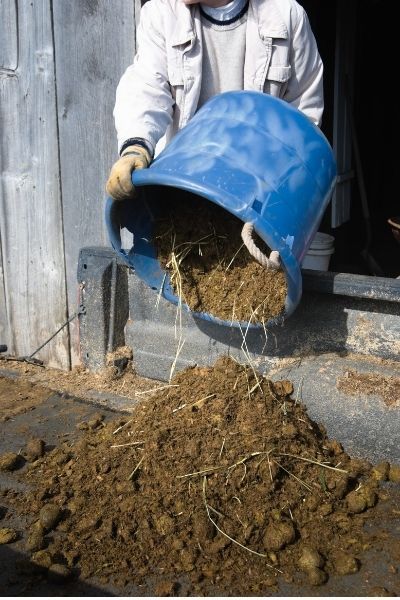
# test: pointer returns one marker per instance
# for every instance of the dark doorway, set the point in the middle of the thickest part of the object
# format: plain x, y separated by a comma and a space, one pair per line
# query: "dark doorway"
374, 118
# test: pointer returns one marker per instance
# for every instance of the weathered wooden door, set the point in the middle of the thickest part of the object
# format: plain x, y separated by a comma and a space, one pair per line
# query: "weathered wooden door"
60, 63
94, 43
32, 276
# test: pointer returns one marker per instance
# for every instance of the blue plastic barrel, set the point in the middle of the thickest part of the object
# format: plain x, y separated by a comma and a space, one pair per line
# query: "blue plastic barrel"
257, 157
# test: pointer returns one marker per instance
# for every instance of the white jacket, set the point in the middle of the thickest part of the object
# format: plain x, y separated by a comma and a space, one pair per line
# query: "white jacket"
159, 92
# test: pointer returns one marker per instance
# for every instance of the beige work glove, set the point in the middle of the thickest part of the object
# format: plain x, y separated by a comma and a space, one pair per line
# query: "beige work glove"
119, 185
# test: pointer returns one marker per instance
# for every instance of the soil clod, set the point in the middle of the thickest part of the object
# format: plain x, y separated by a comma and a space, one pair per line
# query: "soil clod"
7, 535
10, 461
35, 540
345, 564
49, 516
34, 449
394, 473
317, 576
310, 559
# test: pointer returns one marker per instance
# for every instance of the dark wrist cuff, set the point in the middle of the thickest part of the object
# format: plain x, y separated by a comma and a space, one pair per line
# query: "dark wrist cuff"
136, 142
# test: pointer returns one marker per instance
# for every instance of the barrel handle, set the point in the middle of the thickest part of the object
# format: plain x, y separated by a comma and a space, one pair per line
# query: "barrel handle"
272, 263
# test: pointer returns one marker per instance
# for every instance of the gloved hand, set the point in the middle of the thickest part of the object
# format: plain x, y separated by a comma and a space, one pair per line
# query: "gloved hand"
119, 185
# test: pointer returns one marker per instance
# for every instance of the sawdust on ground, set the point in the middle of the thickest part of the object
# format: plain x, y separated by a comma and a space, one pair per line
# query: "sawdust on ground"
220, 484
19, 397
356, 384
118, 377
200, 245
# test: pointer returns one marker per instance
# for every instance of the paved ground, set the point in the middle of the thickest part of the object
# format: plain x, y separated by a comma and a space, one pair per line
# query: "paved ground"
363, 423
54, 419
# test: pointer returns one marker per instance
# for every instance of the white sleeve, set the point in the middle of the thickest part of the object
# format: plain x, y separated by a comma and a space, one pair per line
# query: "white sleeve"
305, 86
144, 104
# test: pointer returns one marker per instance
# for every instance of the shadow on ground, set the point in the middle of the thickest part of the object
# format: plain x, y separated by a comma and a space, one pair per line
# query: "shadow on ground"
19, 577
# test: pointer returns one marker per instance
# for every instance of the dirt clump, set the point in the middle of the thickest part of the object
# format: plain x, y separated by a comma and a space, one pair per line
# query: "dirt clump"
35, 539
9, 461
381, 471
34, 449
200, 246
310, 559
7, 535
345, 564
394, 473
42, 558
199, 486
49, 516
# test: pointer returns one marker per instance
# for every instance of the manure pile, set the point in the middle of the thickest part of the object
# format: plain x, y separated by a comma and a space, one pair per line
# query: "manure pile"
200, 246
219, 483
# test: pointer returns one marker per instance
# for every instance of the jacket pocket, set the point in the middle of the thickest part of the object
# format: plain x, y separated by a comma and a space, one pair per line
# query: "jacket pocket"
278, 73
175, 65
176, 83
277, 79
175, 75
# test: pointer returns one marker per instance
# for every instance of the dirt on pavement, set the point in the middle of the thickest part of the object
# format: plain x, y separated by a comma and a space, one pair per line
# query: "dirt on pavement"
117, 377
356, 383
220, 484
17, 397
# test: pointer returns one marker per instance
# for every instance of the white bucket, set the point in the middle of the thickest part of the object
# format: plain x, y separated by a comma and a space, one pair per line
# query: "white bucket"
320, 252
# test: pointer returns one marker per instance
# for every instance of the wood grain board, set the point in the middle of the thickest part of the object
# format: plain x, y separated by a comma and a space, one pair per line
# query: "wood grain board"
60, 63
30, 202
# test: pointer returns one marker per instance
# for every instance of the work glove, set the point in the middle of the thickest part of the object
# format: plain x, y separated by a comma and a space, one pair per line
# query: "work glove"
119, 185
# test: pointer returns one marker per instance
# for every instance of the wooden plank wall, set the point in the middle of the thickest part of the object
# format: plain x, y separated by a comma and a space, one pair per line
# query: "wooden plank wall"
60, 63
4, 329
94, 43
33, 286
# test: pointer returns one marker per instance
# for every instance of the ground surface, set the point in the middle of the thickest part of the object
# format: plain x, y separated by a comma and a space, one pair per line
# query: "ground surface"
146, 500
338, 392
113, 387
